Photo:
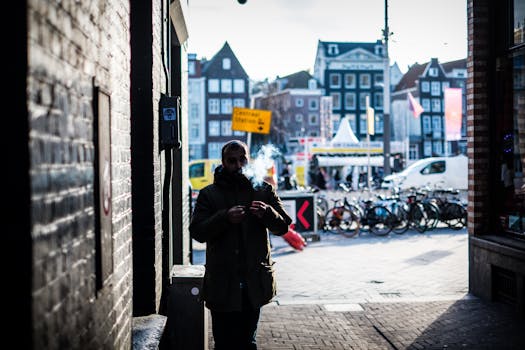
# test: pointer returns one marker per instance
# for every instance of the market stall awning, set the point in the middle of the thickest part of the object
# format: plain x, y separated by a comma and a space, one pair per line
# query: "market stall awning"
351, 160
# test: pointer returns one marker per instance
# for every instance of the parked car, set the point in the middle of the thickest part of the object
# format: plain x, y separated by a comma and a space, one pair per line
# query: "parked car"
445, 172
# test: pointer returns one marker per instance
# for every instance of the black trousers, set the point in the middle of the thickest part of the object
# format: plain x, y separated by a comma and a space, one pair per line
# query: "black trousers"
236, 330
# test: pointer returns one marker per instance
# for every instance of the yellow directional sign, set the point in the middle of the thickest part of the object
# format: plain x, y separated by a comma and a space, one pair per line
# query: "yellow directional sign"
251, 120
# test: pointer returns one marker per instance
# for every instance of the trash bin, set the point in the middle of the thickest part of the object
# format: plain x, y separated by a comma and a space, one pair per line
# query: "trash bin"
187, 325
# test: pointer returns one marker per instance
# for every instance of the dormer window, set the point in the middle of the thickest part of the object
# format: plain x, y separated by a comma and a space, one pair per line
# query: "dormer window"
333, 49
312, 84
433, 72
379, 50
226, 63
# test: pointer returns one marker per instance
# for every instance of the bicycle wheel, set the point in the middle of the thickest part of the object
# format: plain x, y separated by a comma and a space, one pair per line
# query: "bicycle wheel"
455, 216
401, 223
380, 220
337, 220
418, 218
432, 212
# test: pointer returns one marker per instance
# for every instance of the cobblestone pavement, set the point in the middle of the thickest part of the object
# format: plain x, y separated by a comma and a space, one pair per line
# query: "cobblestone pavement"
398, 292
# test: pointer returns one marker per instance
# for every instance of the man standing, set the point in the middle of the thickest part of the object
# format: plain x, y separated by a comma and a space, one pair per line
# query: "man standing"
233, 218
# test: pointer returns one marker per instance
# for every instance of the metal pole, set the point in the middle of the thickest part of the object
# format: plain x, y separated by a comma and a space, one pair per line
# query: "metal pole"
368, 171
386, 99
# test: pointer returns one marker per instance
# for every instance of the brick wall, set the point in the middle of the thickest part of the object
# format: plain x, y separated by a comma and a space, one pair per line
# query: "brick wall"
72, 46
478, 115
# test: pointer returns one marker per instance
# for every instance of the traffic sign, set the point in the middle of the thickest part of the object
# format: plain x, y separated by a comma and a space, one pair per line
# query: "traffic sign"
251, 120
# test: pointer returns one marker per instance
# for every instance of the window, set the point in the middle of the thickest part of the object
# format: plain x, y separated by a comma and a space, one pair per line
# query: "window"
213, 85
226, 106
213, 128
445, 85
350, 80
336, 100
436, 126
191, 68
214, 150
437, 167
313, 104
378, 127
299, 102
413, 153
312, 84
436, 105
213, 106
239, 102
299, 118
313, 119
378, 100
194, 131
238, 133
335, 80
435, 88
226, 63
363, 124
362, 100
427, 149
425, 103
226, 85
364, 80
437, 148
333, 49
238, 86
378, 79
427, 127
425, 86
226, 127
336, 119
194, 111
350, 100
433, 72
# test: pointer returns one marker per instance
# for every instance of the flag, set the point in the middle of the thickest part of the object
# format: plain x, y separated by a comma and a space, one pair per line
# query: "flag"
453, 111
370, 120
414, 106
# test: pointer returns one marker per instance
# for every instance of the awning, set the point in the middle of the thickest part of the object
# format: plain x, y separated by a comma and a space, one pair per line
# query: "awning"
351, 160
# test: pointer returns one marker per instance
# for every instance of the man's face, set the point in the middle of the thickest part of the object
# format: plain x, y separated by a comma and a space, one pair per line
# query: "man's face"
234, 160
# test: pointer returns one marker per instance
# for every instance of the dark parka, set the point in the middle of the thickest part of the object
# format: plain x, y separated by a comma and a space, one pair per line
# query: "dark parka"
237, 253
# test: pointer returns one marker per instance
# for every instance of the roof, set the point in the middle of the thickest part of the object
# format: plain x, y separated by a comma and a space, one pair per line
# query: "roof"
225, 51
409, 79
457, 64
298, 80
344, 47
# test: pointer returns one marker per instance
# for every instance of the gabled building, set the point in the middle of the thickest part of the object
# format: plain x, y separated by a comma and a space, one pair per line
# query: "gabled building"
351, 72
424, 136
216, 86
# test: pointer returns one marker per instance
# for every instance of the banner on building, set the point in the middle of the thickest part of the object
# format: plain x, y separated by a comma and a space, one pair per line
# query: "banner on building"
453, 111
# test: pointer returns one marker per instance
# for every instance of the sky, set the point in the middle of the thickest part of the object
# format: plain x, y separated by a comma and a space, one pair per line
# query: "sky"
279, 37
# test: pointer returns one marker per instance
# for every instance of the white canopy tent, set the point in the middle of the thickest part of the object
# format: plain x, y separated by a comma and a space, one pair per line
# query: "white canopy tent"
344, 136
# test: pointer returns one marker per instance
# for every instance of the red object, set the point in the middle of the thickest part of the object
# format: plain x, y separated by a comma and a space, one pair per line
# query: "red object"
414, 106
294, 239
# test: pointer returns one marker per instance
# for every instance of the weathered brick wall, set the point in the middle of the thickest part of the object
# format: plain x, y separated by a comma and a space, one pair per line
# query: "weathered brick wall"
478, 115
70, 44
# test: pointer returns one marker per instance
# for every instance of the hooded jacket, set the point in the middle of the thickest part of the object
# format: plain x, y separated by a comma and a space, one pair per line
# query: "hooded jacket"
237, 255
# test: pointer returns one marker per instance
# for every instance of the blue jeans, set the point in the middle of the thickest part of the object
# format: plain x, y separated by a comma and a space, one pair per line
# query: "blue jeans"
236, 330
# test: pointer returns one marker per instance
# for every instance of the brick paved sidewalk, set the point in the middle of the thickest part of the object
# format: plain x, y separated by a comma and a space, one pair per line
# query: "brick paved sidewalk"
456, 324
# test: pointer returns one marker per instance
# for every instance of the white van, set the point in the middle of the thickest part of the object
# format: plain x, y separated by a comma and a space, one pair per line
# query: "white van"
445, 172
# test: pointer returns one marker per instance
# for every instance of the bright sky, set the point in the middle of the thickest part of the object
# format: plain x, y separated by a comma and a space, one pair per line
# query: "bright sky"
279, 37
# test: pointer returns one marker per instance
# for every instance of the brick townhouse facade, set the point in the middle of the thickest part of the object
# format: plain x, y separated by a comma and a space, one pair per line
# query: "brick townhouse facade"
99, 212
496, 150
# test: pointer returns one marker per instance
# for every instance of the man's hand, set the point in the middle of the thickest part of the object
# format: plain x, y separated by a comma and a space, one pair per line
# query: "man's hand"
236, 214
258, 208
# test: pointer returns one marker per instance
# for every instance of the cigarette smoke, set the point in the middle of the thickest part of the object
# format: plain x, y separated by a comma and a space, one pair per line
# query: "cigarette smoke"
257, 169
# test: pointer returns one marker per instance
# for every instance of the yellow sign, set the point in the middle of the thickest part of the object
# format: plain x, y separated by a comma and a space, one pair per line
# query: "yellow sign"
251, 120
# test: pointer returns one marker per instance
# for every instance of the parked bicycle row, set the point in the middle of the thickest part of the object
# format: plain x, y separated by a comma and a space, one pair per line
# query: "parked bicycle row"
422, 209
